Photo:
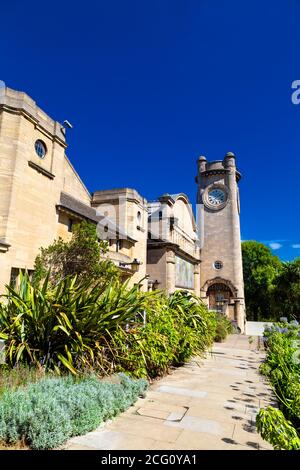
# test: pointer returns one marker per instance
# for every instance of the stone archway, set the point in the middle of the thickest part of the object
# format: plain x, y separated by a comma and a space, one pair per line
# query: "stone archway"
220, 294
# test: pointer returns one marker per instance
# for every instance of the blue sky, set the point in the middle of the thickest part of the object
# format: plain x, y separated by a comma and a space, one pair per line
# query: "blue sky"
151, 85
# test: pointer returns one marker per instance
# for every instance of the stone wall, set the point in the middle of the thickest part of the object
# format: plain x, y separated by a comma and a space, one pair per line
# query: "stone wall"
127, 210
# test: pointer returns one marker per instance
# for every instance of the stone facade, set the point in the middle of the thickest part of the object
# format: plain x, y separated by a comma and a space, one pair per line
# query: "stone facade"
158, 242
173, 256
126, 212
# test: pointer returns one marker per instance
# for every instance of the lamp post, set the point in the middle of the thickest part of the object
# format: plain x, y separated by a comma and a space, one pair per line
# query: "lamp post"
135, 264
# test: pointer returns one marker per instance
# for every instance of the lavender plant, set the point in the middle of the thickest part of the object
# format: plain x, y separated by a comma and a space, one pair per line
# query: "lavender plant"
47, 413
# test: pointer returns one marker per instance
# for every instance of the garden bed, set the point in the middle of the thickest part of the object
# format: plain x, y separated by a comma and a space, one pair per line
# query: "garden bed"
45, 414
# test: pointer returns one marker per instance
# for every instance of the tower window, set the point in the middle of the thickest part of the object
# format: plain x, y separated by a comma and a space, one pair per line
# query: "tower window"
218, 265
40, 148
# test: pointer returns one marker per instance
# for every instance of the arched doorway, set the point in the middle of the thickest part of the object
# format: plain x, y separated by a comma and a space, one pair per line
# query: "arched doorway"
218, 295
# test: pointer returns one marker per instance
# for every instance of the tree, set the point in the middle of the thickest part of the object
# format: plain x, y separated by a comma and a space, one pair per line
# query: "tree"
260, 268
81, 256
286, 300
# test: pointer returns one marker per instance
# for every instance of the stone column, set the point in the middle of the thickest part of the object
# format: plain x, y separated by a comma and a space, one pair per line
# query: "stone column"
170, 271
239, 314
197, 279
229, 164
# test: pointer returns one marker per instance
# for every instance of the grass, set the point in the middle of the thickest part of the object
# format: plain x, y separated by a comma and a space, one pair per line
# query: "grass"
19, 376
17, 446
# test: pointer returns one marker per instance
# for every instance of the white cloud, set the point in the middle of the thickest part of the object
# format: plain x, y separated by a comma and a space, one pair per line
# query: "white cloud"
275, 245
296, 245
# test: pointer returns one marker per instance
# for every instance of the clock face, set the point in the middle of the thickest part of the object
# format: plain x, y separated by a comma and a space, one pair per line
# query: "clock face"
216, 197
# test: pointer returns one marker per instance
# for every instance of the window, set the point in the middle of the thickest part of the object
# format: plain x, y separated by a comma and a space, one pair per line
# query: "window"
139, 220
160, 215
40, 148
14, 275
70, 225
119, 245
218, 265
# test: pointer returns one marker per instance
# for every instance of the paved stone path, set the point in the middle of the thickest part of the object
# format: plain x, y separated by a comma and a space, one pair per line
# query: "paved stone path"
209, 403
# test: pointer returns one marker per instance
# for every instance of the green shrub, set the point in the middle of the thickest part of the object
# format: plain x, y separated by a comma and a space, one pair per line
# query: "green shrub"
81, 256
276, 429
177, 327
223, 328
76, 327
282, 367
47, 413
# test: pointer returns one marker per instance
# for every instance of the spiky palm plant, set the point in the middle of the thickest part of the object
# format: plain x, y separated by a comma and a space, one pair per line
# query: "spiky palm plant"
67, 325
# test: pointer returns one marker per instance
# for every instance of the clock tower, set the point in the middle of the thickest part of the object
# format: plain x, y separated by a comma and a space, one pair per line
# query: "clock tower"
218, 213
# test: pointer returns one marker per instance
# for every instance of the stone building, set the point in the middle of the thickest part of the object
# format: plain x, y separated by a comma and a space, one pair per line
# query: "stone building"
156, 243
42, 196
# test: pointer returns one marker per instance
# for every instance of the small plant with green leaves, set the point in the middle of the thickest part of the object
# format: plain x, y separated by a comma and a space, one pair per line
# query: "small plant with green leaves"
276, 429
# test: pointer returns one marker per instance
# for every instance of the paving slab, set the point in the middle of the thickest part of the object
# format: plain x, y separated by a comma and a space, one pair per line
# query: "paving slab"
210, 403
